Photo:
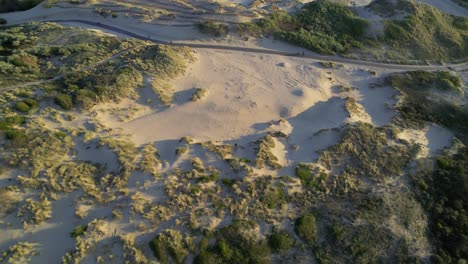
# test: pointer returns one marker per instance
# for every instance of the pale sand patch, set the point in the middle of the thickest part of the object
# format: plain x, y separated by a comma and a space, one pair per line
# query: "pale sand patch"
432, 139
244, 92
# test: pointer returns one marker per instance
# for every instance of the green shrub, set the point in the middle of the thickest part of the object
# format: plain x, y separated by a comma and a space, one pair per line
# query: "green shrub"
274, 198
22, 107
311, 177
15, 120
3, 21
212, 28
236, 244
306, 228
65, 101
79, 231
280, 242
170, 244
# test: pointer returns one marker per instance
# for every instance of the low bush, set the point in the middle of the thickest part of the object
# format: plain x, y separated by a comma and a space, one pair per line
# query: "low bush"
236, 243
170, 246
306, 228
79, 231
65, 101
212, 28
22, 107
280, 242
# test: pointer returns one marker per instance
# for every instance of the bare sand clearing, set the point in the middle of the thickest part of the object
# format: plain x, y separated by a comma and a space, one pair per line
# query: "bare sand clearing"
247, 91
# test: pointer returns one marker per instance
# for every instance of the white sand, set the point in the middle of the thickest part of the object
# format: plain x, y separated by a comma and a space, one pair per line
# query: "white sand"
432, 139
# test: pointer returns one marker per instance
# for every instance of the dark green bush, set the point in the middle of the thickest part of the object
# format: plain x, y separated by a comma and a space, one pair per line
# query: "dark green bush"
15, 120
235, 245
14, 134
3, 21
65, 101
170, 246
79, 231
444, 194
212, 28
22, 107
306, 228
280, 242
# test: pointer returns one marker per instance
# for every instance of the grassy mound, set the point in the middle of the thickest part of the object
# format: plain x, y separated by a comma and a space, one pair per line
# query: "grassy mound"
427, 33
424, 100
322, 26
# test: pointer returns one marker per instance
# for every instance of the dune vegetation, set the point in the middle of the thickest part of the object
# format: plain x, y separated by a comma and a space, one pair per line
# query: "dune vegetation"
411, 31
70, 173
322, 26
426, 33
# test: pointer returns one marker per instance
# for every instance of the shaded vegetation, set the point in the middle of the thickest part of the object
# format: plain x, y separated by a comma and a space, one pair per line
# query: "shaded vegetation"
212, 28
306, 228
426, 98
236, 243
428, 33
444, 194
322, 26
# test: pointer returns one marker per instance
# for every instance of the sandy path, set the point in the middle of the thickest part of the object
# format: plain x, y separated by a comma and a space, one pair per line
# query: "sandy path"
308, 55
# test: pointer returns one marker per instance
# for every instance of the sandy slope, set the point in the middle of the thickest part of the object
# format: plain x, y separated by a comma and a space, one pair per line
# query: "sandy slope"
245, 92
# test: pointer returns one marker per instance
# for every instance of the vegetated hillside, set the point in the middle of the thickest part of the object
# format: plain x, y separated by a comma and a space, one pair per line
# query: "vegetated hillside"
423, 33
441, 187
17, 5
426, 98
322, 26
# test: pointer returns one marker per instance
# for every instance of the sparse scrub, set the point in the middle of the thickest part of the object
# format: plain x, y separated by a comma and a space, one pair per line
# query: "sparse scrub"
199, 94
264, 154
36, 212
424, 100
364, 151
21, 252
212, 28
171, 245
